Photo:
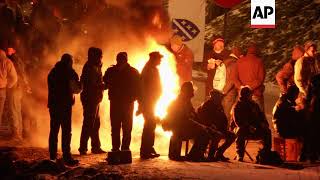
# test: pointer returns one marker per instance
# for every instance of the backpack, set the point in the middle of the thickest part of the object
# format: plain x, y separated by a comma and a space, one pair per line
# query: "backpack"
268, 157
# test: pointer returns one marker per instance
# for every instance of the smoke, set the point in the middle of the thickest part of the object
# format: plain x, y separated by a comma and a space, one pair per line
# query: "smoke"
113, 26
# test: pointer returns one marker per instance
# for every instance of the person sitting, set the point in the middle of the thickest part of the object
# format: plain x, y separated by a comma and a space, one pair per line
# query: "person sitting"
285, 117
180, 120
211, 113
250, 121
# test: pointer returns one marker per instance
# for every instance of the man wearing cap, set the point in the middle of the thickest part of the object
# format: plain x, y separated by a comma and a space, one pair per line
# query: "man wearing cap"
212, 62
251, 72
184, 59
251, 122
304, 70
122, 81
151, 91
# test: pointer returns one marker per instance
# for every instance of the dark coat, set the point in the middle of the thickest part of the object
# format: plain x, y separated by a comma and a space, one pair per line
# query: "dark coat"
91, 80
247, 113
151, 88
285, 76
231, 76
212, 113
123, 83
59, 86
288, 122
178, 119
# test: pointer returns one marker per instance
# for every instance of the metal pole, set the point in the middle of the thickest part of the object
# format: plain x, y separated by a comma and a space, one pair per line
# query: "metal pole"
225, 23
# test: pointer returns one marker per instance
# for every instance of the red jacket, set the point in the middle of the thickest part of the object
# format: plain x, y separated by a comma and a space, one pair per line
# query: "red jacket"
251, 72
184, 60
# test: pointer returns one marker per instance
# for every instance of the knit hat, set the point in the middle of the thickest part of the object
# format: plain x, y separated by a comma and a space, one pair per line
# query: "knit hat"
245, 92
177, 40
217, 39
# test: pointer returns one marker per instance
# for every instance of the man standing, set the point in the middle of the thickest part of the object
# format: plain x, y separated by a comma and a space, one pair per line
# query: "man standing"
251, 72
123, 83
304, 70
151, 91
91, 96
8, 78
63, 83
229, 90
214, 60
184, 59
16, 94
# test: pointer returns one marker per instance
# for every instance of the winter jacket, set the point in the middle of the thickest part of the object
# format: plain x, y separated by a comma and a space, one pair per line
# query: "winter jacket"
251, 72
60, 86
20, 68
178, 119
286, 120
285, 76
91, 80
212, 113
151, 88
247, 113
184, 60
8, 74
231, 76
123, 83
211, 73
304, 70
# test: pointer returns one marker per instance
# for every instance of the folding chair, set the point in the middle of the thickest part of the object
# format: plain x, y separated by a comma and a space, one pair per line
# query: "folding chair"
246, 152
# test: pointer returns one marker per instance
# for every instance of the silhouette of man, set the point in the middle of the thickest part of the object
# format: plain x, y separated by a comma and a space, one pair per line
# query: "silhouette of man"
122, 81
151, 91
63, 83
91, 96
